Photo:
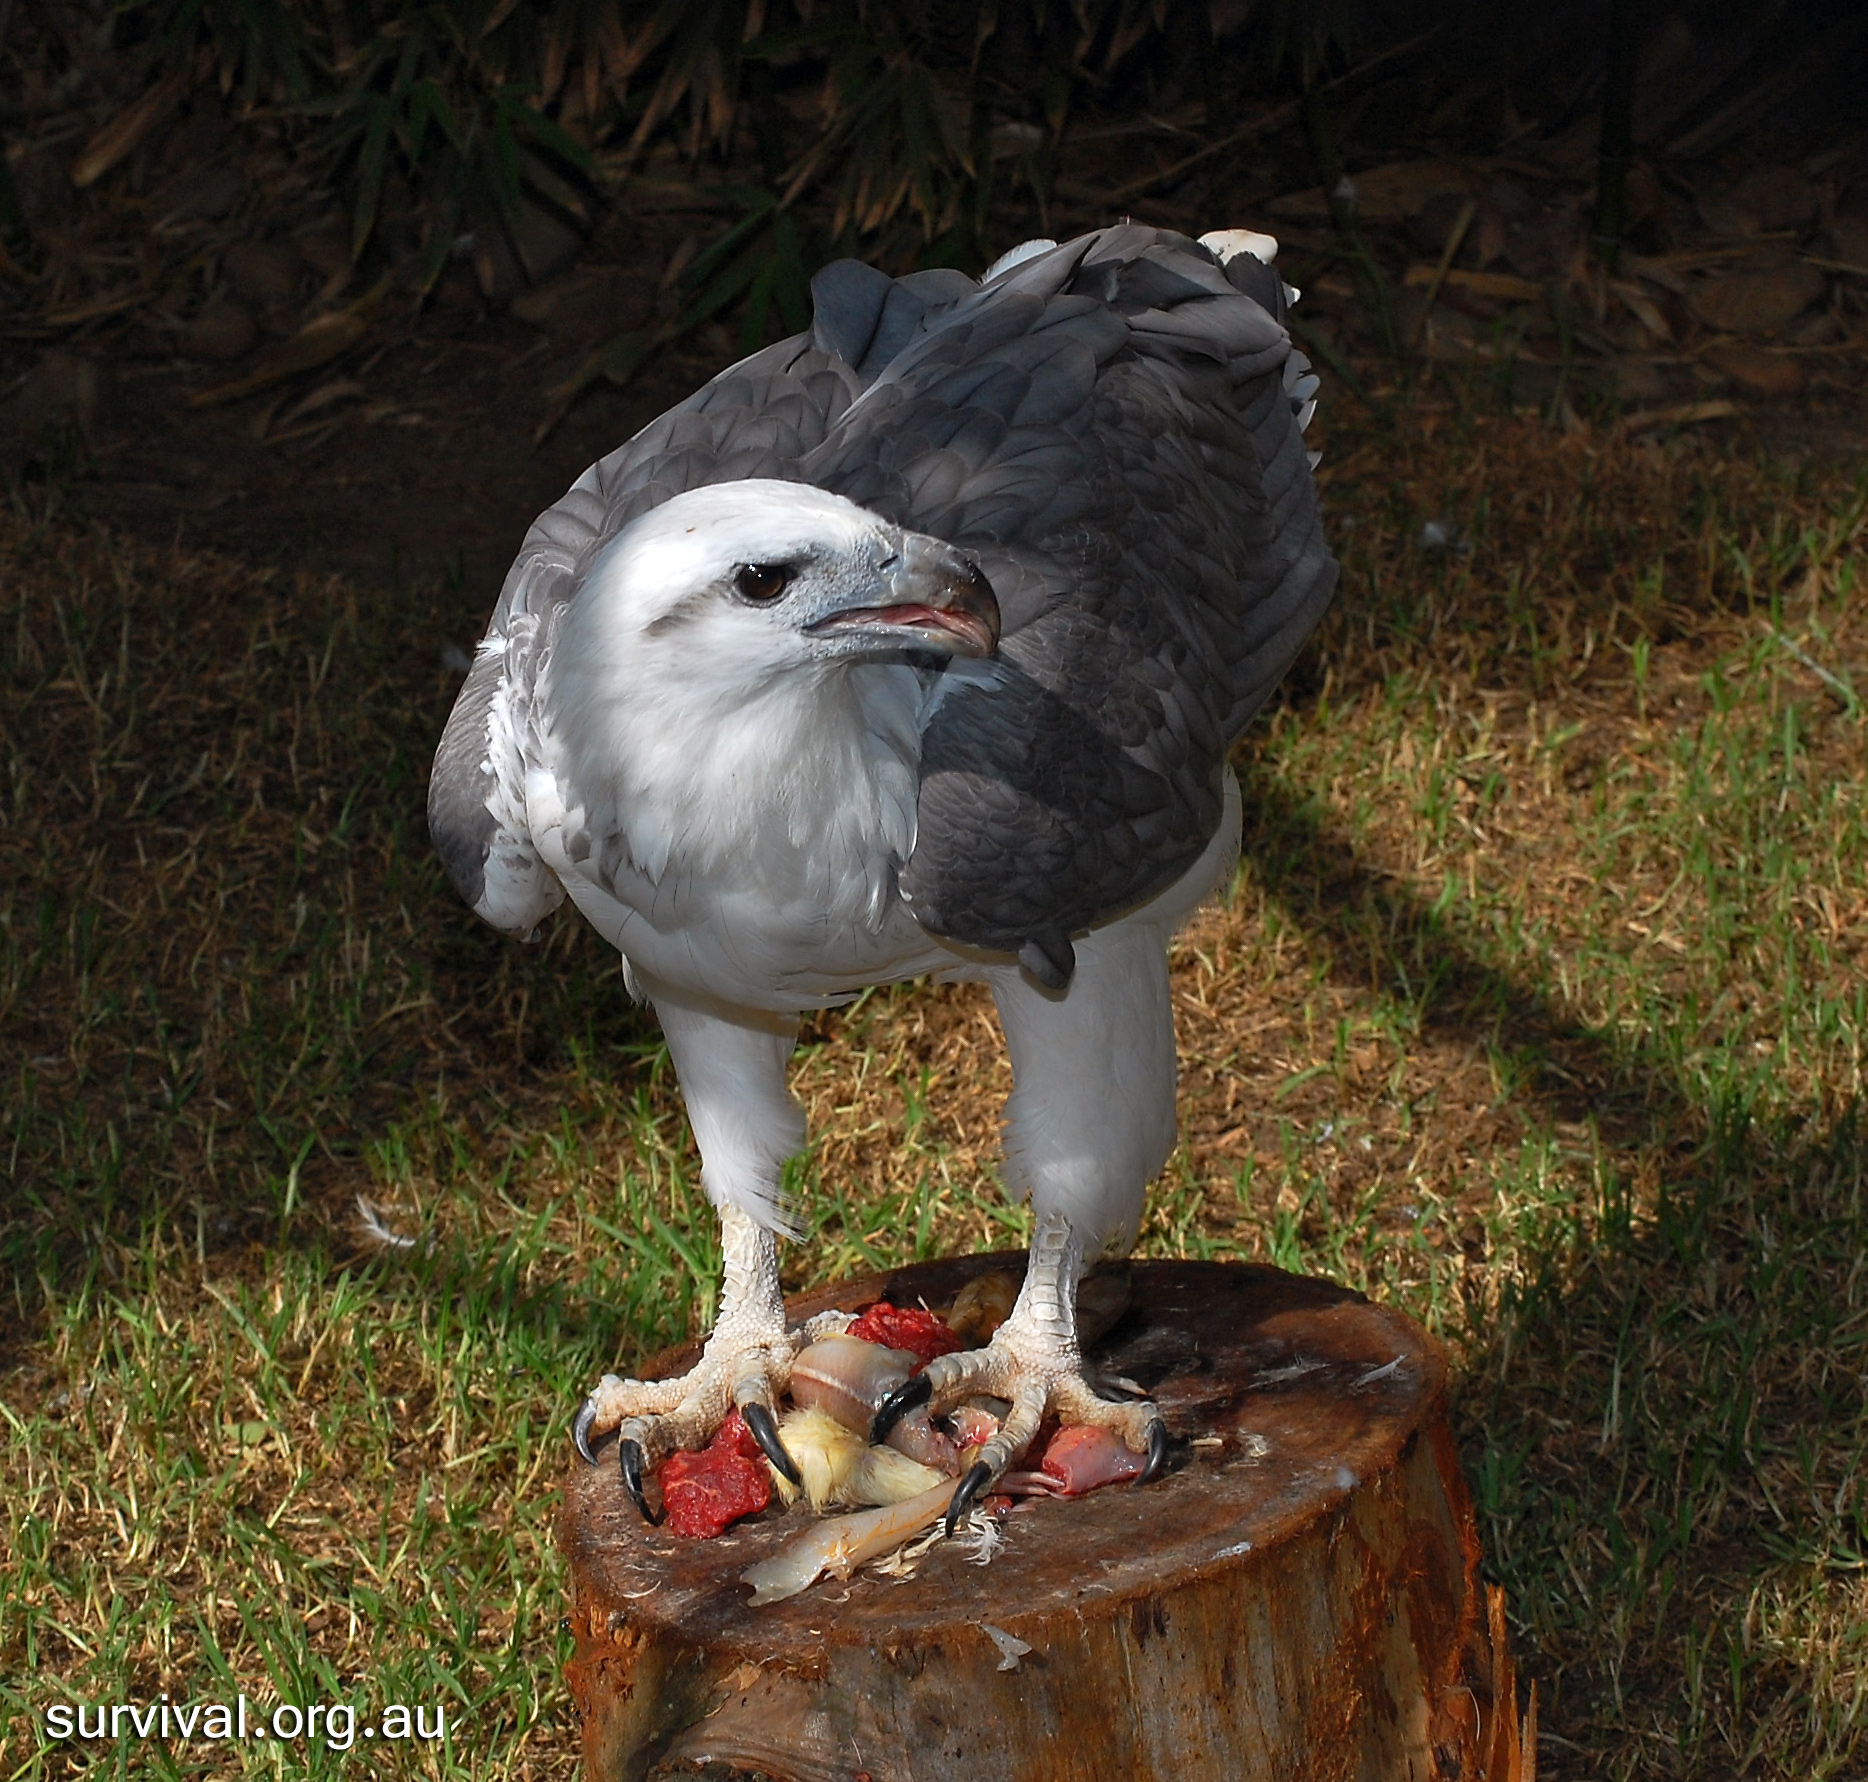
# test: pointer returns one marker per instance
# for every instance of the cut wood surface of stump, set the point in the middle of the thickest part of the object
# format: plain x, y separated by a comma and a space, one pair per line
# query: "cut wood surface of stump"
1298, 1598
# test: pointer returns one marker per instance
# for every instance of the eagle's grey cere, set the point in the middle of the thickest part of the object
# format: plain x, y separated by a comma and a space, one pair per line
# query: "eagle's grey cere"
912, 644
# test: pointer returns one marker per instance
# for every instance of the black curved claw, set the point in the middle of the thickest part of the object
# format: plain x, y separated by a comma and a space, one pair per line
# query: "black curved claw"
1157, 1453
765, 1432
910, 1395
580, 1429
629, 1456
978, 1477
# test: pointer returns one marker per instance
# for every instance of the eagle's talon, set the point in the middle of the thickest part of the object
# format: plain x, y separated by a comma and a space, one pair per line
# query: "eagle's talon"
910, 1395
764, 1430
581, 1426
630, 1458
978, 1476
1157, 1453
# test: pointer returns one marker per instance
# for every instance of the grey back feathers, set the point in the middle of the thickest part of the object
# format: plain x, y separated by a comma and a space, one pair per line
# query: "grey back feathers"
1112, 428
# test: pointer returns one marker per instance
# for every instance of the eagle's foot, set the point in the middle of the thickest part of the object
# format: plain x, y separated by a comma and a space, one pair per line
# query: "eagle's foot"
1041, 1375
655, 1418
746, 1364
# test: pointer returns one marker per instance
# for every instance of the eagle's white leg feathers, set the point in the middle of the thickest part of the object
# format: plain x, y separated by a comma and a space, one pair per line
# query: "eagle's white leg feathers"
1090, 1119
730, 1063
731, 1066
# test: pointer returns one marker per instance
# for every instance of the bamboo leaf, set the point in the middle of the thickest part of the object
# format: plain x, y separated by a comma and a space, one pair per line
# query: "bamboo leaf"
540, 178
439, 244
498, 16
370, 168
548, 133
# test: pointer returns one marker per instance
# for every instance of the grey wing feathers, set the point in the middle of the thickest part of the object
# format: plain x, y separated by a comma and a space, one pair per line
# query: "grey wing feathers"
1113, 428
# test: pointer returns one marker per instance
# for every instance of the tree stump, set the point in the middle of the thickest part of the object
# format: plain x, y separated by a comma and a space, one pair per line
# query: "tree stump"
1299, 1598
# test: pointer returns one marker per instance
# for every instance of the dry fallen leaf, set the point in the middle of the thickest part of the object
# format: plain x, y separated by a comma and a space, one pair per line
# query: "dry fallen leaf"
318, 342
110, 304
1642, 307
1685, 414
338, 390
1757, 298
1505, 286
126, 132
1755, 369
1383, 194
223, 329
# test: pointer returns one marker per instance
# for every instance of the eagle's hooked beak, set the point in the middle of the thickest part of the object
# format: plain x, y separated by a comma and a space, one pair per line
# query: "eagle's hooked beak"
934, 598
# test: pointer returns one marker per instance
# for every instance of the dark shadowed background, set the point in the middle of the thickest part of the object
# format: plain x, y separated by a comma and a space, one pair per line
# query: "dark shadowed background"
365, 285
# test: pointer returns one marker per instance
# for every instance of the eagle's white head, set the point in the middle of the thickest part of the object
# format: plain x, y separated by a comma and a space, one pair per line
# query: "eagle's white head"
734, 585
739, 663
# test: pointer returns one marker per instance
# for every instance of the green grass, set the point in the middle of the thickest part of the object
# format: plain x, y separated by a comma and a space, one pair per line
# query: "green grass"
1536, 1010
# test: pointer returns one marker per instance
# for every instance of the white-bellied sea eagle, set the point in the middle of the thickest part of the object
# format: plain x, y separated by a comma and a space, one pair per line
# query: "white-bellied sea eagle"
915, 643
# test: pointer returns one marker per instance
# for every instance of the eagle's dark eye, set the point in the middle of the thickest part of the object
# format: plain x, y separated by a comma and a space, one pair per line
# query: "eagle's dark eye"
762, 583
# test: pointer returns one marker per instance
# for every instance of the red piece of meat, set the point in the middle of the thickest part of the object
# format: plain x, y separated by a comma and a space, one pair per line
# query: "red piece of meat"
1080, 1459
726, 1480
922, 1333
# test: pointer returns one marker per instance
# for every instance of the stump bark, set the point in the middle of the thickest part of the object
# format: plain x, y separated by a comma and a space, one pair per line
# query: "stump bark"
1299, 1598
